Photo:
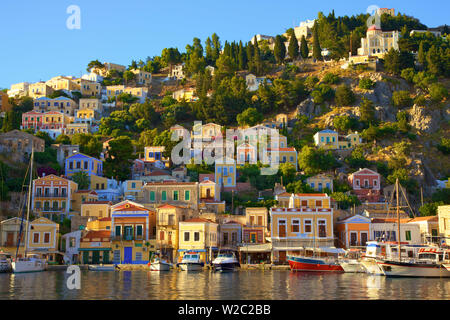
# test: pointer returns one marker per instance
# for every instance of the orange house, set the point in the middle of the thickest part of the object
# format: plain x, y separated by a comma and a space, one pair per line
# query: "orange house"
353, 231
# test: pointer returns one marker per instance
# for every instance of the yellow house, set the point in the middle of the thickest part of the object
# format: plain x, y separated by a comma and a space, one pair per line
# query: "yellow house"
95, 247
327, 139
99, 209
82, 196
99, 224
320, 182
184, 94
62, 83
9, 235
39, 89
225, 172
444, 222
198, 235
89, 88
133, 190
98, 183
43, 238
85, 114
283, 155
167, 222
142, 77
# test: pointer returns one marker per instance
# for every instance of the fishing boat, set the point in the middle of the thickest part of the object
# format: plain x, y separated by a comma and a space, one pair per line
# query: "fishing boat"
29, 262
351, 261
5, 262
226, 261
191, 262
159, 265
101, 267
429, 263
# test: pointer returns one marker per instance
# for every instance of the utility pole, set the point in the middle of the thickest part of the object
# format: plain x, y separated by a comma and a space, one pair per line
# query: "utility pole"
421, 195
232, 201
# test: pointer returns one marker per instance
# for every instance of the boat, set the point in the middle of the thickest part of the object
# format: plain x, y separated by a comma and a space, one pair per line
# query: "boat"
159, 265
102, 267
226, 261
5, 262
429, 263
351, 261
191, 262
29, 262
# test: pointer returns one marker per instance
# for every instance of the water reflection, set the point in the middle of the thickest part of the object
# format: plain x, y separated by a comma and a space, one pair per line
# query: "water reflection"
252, 284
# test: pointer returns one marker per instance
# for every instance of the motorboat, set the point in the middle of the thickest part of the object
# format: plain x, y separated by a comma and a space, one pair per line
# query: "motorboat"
429, 263
351, 261
226, 261
5, 262
302, 263
159, 265
101, 267
30, 263
191, 262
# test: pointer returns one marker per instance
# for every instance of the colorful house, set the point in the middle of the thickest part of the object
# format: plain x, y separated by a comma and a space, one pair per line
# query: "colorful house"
429, 228
353, 231
283, 155
230, 234
95, 247
387, 230
80, 197
185, 95
331, 140
130, 233
133, 190
156, 153
99, 209
52, 195
71, 243
225, 172
32, 120
255, 228
80, 162
444, 222
43, 238
210, 197
142, 77
320, 182
172, 192
366, 185
64, 105
246, 152
198, 235
9, 235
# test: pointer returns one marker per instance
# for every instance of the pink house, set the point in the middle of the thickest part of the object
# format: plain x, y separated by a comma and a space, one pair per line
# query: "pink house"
246, 153
366, 185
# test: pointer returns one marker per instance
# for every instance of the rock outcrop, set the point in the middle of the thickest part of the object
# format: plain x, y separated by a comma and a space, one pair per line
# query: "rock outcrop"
424, 119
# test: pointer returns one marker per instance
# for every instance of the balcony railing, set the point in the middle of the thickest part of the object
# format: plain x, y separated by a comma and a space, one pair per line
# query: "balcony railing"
127, 238
49, 209
50, 195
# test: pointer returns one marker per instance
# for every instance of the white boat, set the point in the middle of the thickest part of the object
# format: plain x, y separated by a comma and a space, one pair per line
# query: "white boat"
226, 262
429, 263
31, 263
5, 262
191, 262
101, 267
159, 265
351, 262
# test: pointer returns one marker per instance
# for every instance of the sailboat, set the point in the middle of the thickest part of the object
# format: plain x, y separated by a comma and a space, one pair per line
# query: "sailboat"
315, 263
30, 262
429, 261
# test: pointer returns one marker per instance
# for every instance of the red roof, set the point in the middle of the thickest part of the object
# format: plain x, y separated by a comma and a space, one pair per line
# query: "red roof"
158, 173
373, 27
98, 202
284, 194
282, 149
388, 220
86, 191
129, 207
169, 206
104, 219
198, 220
311, 194
162, 183
97, 234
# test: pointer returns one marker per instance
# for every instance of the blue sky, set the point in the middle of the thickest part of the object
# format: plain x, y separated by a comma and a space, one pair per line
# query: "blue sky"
36, 44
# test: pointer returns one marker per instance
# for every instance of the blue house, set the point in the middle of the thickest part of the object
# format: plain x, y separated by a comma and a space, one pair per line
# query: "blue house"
84, 163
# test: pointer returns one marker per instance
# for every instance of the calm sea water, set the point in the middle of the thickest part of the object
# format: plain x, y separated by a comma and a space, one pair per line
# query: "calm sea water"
243, 285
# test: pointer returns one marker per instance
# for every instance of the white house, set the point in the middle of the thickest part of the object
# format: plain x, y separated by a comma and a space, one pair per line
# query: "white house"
72, 240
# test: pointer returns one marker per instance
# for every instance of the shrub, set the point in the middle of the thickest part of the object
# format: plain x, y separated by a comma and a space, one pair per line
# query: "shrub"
402, 99
444, 146
311, 81
408, 74
438, 92
322, 93
344, 95
331, 78
366, 83
420, 100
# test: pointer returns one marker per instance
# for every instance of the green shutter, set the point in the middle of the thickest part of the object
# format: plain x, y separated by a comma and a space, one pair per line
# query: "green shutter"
164, 196
175, 195
117, 230
139, 230
152, 195
187, 195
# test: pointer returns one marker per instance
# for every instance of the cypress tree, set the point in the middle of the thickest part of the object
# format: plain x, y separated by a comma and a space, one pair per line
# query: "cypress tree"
279, 50
293, 48
304, 48
421, 56
242, 57
317, 51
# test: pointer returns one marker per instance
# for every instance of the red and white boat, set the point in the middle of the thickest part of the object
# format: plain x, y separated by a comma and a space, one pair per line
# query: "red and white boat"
317, 263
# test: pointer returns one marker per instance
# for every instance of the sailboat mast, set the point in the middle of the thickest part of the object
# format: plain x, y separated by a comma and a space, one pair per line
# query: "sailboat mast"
29, 201
314, 236
398, 224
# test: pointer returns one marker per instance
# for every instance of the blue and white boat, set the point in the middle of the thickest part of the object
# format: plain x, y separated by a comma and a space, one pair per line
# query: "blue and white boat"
191, 262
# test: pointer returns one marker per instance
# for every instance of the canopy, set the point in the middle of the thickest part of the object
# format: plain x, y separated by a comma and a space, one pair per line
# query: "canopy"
262, 247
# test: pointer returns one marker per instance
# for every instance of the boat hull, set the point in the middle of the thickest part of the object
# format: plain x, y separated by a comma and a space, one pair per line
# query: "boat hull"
224, 267
191, 266
371, 267
352, 267
28, 266
307, 264
404, 269
5, 266
159, 266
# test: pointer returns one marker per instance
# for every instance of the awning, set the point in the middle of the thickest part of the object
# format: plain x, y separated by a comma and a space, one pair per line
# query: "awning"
331, 250
261, 247
192, 250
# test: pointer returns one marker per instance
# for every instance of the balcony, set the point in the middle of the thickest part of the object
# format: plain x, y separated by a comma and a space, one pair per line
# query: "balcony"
49, 209
50, 195
127, 238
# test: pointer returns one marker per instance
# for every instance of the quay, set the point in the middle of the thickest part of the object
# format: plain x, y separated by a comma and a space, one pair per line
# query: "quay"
144, 267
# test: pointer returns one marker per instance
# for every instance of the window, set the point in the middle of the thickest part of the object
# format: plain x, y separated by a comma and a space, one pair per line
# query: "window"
118, 229
196, 236
187, 195
133, 185
139, 230
71, 165
357, 182
308, 228
78, 165
304, 203
252, 220
282, 228
225, 238
138, 256
260, 221
322, 225
295, 227
36, 237
47, 237
86, 164
408, 235
186, 236
164, 196
175, 195
318, 203
152, 195
161, 235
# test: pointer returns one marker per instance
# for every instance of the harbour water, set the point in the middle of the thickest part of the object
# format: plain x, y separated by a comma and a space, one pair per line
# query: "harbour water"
206, 285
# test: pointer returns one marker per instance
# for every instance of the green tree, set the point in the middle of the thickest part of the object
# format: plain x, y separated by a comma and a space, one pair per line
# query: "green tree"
82, 179
287, 171
121, 152
421, 55
438, 92
293, 48
63, 139
402, 99
249, 117
279, 49
367, 111
344, 96
88, 143
344, 123
317, 51
313, 161
366, 83
304, 50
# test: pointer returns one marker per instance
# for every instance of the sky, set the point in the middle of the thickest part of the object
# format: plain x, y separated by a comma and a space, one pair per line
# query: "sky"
35, 43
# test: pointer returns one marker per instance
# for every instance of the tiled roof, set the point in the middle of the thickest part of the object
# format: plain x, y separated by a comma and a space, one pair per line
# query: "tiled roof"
97, 234
311, 194
198, 220
284, 194
98, 202
163, 183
